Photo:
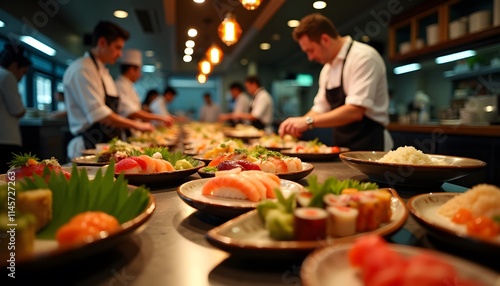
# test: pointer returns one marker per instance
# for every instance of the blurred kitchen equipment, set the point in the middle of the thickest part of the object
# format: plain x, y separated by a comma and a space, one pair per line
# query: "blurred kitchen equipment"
432, 34
479, 110
479, 20
404, 47
496, 13
419, 43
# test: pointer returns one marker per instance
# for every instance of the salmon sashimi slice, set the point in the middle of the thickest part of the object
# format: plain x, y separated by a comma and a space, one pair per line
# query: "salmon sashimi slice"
231, 186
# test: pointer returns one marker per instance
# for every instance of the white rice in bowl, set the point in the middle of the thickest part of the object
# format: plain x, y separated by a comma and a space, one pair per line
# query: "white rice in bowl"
482, 199
407, 155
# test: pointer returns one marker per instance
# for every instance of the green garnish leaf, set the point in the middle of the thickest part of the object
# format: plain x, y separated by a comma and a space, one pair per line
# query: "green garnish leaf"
171, 157
20, 160
210, 169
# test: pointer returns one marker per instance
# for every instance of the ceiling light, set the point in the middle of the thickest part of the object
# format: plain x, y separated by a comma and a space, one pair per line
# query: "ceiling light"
319, 5
38, 45
229, 30
293, 23
455, 57
187, 58
204, 66
250, 4
120, 14
214, 54
190, 43
2, 24
265, 46
149, 54
188, 51
202, 78
406, 68
198, 1
192, 32
148, 68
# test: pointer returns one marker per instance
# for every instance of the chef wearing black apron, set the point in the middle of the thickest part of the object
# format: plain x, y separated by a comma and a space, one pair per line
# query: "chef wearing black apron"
98, 132
361, 135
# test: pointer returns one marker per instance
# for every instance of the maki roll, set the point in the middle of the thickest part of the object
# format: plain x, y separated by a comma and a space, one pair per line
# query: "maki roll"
310, 223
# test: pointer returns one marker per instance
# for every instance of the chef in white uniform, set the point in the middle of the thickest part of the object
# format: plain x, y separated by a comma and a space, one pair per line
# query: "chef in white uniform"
90, 93
130, 104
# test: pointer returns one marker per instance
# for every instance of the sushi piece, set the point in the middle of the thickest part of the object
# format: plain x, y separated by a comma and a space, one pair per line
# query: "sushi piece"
303, 198
341, 221
128, 166
310, 224
36, 202
232, 186
150, 164
281, 166
370, 215
268, 182
266, 166
336, 200
293, 164
385, 198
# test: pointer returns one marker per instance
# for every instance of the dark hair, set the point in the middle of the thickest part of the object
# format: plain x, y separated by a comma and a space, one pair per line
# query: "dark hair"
11, 54
253, 79
236, 85
171, 90
150, 95
206, 94
125, 67
110, 31
313, 26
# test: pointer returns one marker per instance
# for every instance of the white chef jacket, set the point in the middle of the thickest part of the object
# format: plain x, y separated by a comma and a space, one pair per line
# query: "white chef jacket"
242, 103
262, 107
84, 96
210, 113
159, 106
129, 99
10, 105
364, 82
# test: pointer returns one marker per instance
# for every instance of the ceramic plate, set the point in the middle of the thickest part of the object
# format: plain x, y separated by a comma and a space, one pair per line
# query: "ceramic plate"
88, 152
330, 266
89, 160
391, 174
190, 193
161, 179
46, 252
424, 208
91, 171
200, 157
246, 236
243, 135
315, 157
307, 168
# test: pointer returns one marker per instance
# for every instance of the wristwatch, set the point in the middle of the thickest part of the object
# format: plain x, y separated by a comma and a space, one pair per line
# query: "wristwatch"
310, 122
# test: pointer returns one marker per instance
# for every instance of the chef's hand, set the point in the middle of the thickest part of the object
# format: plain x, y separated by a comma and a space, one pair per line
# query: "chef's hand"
293, 126
143, 126
167, 120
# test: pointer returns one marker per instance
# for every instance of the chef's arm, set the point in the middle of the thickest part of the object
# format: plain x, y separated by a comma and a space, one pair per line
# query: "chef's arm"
340, 116
147, 116
116, 120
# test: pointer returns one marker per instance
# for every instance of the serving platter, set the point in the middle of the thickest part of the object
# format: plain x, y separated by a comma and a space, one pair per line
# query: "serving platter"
315, 157
88, 152
246, 236
424, 208
307, 168
90, 160
191, 193
409, 175
330, 266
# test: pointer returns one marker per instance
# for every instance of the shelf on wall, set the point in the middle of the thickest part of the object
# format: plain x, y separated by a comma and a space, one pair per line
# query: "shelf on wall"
473, 73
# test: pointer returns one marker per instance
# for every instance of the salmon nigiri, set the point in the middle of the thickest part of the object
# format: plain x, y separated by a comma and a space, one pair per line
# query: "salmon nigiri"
232, 186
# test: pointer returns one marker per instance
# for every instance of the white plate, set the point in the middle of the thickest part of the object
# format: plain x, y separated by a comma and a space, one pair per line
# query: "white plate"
330, 266
190, 193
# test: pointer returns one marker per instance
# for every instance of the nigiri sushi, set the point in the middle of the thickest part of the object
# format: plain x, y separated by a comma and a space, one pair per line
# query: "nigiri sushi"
232, 186
128, 166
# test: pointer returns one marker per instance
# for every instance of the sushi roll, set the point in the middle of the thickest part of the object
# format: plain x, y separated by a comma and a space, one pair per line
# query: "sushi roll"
341, 221
385, 198
370, 216
310, 224
336, 200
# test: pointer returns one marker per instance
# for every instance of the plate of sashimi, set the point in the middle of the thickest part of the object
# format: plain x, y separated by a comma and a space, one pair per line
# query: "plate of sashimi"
156, 167
285, 167
233, 192
314, 150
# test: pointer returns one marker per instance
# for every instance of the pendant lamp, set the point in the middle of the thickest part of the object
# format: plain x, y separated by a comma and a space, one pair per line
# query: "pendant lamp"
229, 30
204, 66
202, 78
214, 54
250, 4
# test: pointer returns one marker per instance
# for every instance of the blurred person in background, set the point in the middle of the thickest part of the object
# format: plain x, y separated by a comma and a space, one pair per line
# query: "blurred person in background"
210, 111
90, 93
159, 105
151, 95
13, 66
241, 104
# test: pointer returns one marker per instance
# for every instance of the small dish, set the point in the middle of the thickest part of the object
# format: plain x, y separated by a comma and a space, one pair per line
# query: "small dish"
393, 174
424, 208
190, 193
307, 168
315, 157
90, 160
330, 266
88, 152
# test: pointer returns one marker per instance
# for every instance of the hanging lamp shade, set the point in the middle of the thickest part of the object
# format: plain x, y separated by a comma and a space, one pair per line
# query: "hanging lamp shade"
204, 66
202, 78
250, 4
229, 30
214, 54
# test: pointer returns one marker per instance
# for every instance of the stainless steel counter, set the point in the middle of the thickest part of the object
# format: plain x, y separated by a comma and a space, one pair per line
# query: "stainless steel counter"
172, 249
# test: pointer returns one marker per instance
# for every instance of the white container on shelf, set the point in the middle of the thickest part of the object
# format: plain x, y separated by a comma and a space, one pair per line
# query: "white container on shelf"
479, 20
458, 28
496, 13
404, 47
419, 44
432, 34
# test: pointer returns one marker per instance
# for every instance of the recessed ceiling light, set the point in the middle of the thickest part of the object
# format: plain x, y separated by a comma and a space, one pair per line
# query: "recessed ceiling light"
149, 54
265, 46
192, 32
187, 58
319, 5
38, 45
190, 43
407, 68
293, 23
188, 51
2, 24
148, 68
198, 1
120, 14
244, 62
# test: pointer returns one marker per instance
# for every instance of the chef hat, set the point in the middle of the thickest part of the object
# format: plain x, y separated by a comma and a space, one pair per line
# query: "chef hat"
131, 57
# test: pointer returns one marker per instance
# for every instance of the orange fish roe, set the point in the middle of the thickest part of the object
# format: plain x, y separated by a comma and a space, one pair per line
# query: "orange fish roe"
85, 226
480, 226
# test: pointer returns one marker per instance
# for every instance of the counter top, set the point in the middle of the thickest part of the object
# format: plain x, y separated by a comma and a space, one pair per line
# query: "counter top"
172, 249
468, 130
40, 121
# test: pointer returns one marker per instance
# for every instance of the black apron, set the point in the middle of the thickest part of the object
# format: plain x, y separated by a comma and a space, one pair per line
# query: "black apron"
257, 123
361, 135
100, 133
